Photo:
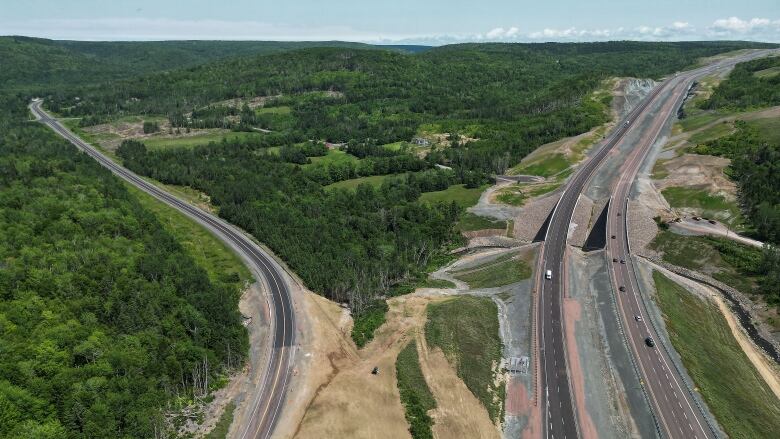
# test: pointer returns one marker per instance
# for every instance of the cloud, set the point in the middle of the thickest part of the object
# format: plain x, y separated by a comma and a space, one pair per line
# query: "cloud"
739, 26
500, 33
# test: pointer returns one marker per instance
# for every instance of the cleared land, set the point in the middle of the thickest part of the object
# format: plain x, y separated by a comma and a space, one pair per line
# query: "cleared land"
469, 222
466, 329
156, 143
373, 180
704, 203
735, 392
332, 157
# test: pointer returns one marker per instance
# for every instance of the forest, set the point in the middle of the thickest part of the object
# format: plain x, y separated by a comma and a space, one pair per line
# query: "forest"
349, 245
751, 84
507, 98
106, 323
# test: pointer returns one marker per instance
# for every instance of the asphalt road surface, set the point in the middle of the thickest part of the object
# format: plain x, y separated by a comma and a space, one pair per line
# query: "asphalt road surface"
559, 418
676, 410
267, 406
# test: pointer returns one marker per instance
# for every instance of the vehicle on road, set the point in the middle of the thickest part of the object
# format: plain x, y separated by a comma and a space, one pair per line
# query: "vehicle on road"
614, 259
638, 318
622, 288
548, 274
613, 236
650, 342
623, 261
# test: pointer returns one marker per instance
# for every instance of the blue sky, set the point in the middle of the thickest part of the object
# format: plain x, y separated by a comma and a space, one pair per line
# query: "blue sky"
405, 21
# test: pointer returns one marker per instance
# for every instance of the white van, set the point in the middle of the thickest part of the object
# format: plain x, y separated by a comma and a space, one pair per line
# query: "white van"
548, 274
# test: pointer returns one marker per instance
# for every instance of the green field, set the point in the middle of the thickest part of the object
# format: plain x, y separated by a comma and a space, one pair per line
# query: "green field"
728, 261
706, 204
373, 180
542, 189
767, 73
458, 193
700, 120
416, 397
737, 395
282, 109
156, 143
467, 331
504, 270
469, 222
436, 283
713, 132
210, 253
333, 156
768, 127
545, 166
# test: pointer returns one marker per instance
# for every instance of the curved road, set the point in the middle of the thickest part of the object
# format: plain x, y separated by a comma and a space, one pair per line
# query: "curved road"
266, 407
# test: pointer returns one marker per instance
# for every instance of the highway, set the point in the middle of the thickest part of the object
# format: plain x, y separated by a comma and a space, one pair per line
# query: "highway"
674, 406
266, 407
559, 416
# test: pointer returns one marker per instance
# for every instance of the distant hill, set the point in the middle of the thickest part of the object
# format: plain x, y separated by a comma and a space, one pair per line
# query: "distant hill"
36, 62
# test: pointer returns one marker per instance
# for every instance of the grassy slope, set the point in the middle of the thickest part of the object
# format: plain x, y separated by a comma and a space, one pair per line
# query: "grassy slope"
502, 271
466, 329
154, 143
707, 204
737, 395
373, 180
458, 193
210, 253
222, 427
470, 222
415, 394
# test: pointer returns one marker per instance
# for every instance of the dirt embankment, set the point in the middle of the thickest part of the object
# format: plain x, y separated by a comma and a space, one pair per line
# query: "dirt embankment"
348, 401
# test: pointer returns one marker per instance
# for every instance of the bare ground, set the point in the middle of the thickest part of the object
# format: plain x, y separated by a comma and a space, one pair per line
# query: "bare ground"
135, 130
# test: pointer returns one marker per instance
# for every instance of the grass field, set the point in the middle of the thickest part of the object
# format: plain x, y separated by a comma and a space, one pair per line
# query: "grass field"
701, 253
504, 270
333, 156
210, 253
416, 397
220, 430
546, 166
273, 110
694, 122
768, 127
706, 204
713, 132
737, 395
373, 180
458, 193
157, 143
367, 322
512, 195
768, 73
467, 331
469, 222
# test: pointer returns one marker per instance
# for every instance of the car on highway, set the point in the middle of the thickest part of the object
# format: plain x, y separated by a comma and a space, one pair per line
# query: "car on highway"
623, 261
638, 318
614, 259
622, 288
548, 274
650, 342
613, 236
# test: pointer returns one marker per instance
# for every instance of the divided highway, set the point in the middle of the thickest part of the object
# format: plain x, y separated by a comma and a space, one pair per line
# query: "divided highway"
266, 407
675, 407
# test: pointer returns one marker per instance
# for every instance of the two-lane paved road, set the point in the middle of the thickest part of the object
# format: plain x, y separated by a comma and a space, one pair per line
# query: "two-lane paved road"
266, 407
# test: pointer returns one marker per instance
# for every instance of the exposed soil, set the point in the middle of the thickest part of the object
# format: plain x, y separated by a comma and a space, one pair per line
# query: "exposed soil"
135, 130
700, 171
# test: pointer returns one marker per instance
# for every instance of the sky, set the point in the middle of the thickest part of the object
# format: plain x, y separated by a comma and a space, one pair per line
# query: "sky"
431, 22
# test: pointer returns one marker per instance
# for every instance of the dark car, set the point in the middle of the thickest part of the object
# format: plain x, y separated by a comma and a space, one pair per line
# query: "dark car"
650, 342
613, 236
614, 259
713, 222
622, 261
618, 213
622, 288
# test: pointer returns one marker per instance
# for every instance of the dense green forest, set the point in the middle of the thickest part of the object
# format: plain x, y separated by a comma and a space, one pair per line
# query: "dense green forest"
105, 321
510, 98
48, 64
747, 87
348, 245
